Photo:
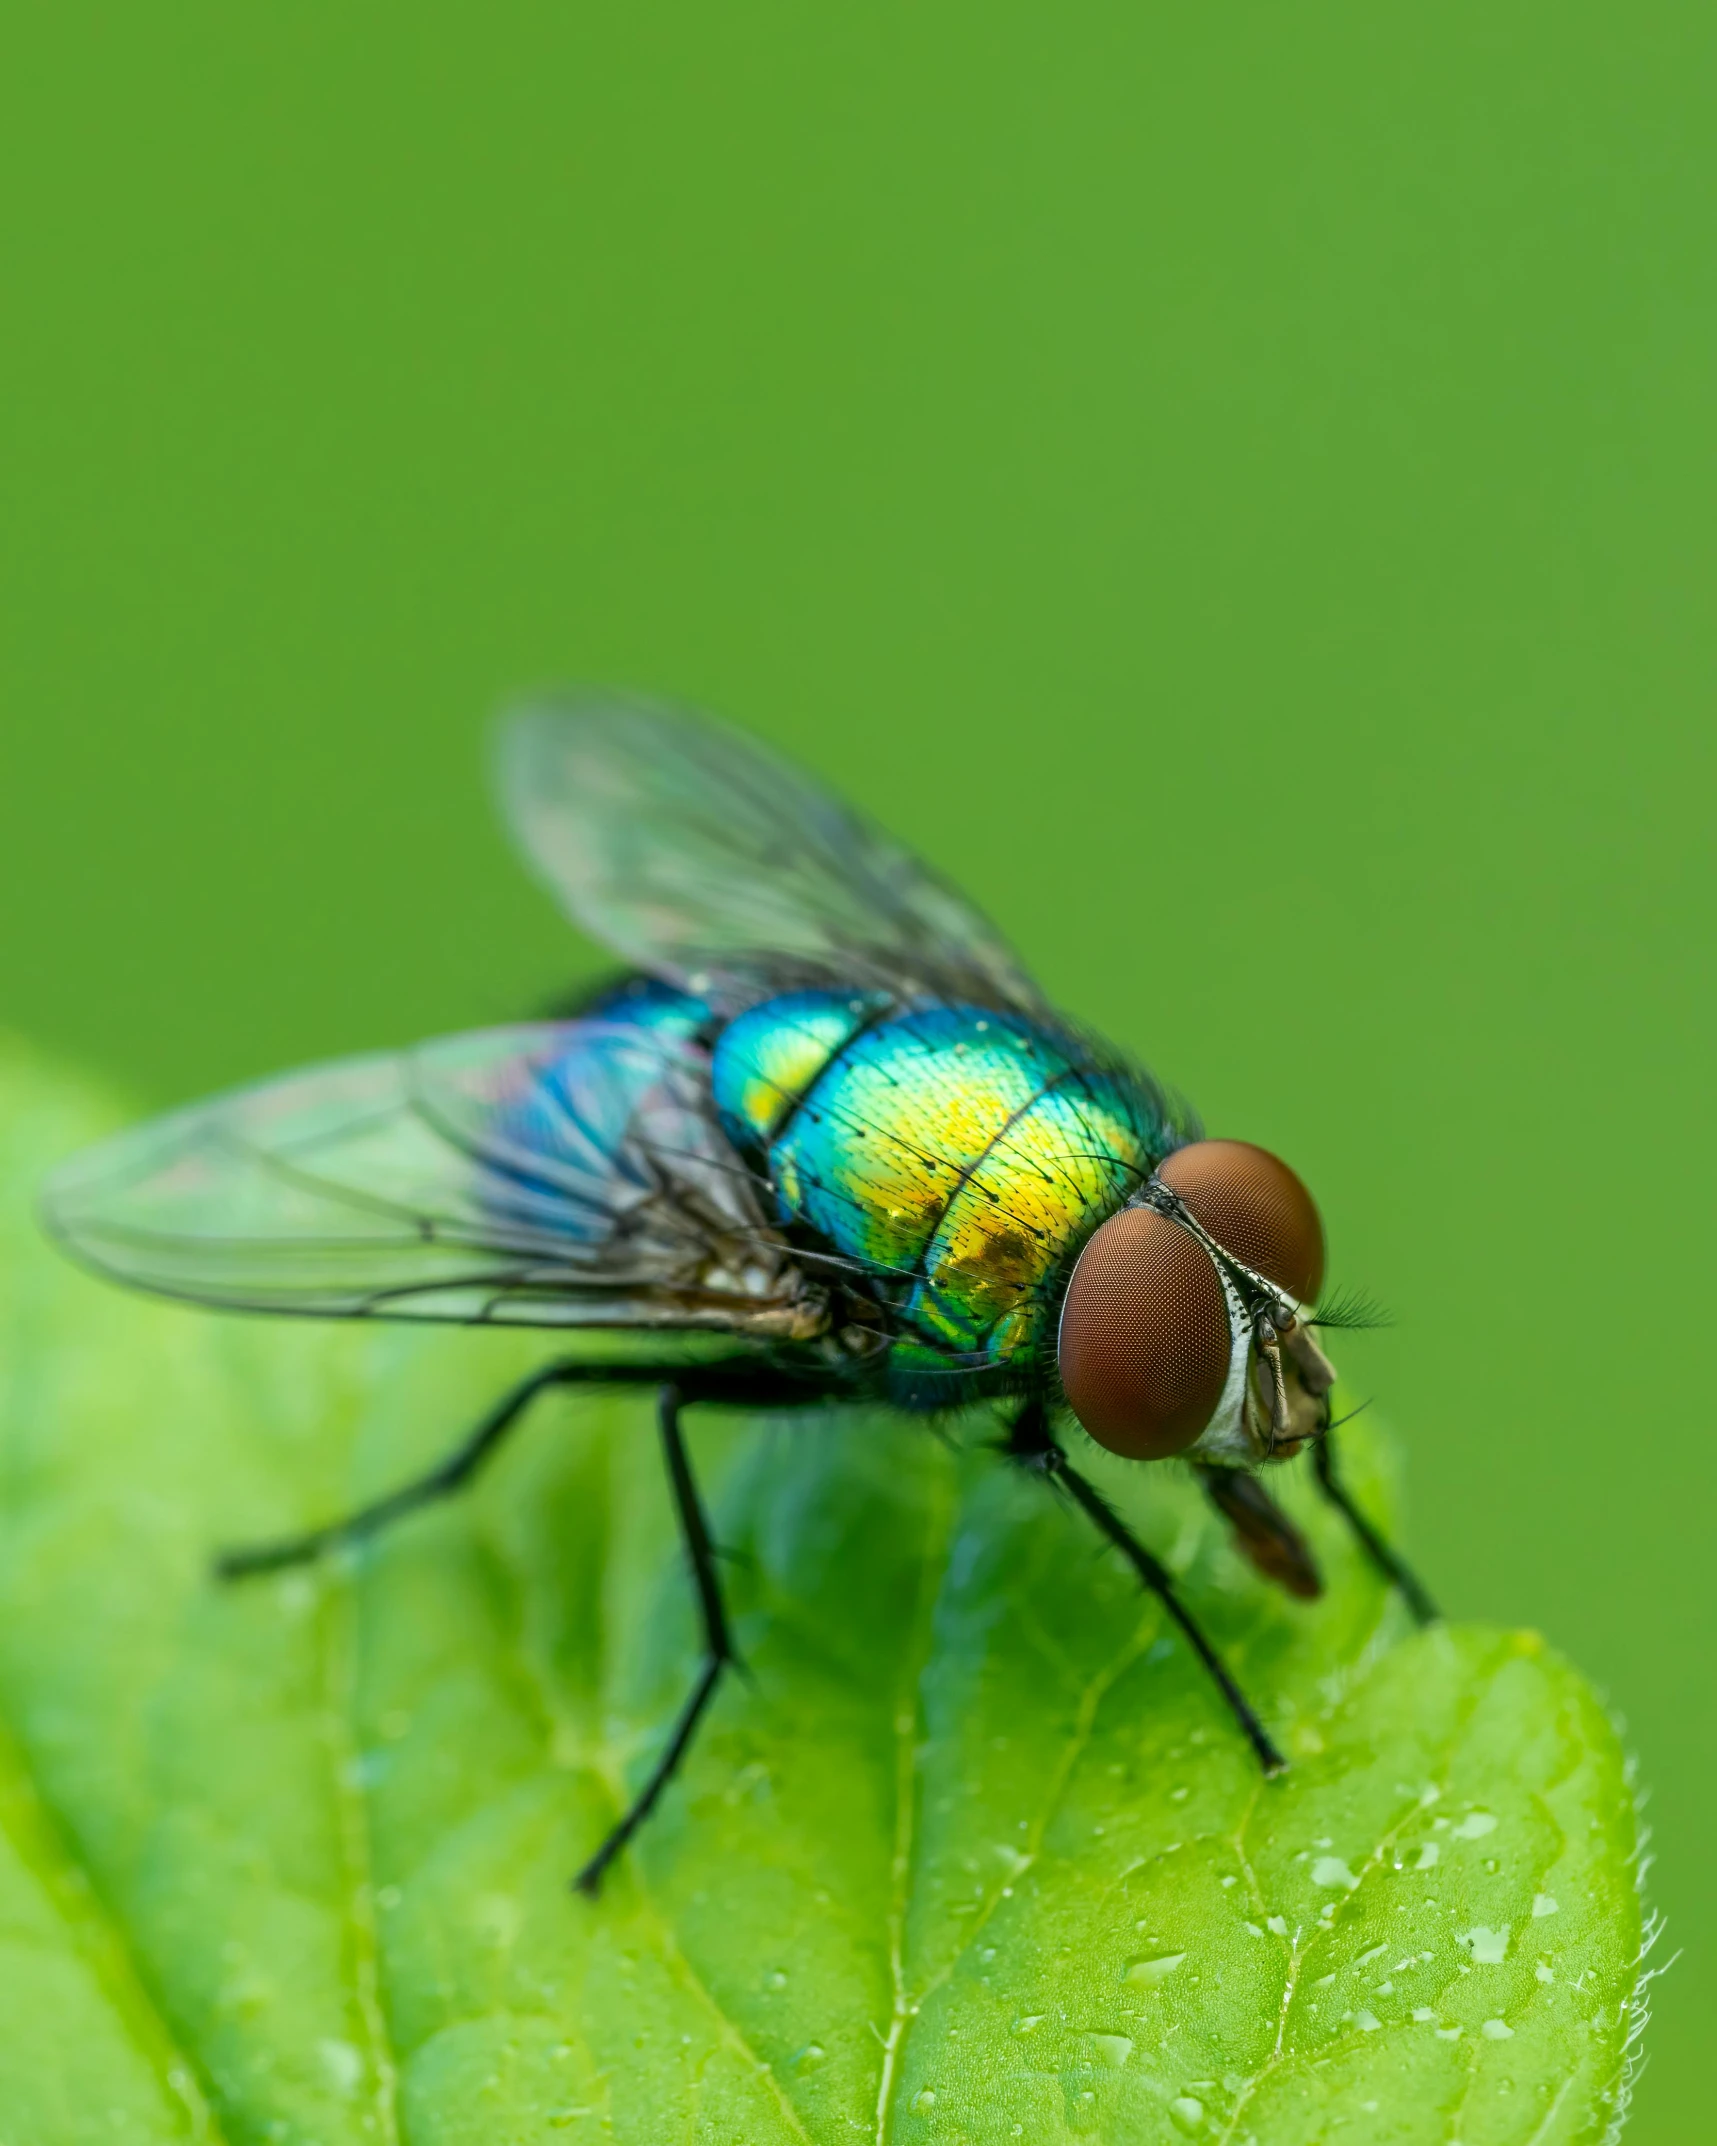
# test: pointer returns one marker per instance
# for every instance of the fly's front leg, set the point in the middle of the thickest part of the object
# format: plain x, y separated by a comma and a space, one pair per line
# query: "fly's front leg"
719, 1652
1263, 1533
1033, 1444
447, 1477
1388, 1561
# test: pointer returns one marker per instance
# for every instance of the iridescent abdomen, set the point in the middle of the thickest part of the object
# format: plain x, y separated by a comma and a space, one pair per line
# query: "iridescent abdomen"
958, 1153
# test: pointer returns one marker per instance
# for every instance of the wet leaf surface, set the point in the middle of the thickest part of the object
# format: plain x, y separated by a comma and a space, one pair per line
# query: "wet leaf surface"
975, 1856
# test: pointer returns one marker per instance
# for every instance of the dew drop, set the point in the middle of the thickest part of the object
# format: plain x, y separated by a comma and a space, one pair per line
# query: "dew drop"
1488, 1947
1474, 1827
344, 2065
1497, 2030
1367, 2022
1542, 1904
1029, 2022
1151, 1971
810, 2057
1430, 1855
924, 2100
1187, 2111
1330, 1870
1112, 2049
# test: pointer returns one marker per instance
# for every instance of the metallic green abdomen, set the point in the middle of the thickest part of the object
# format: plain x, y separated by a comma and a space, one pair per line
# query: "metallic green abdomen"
957, 1153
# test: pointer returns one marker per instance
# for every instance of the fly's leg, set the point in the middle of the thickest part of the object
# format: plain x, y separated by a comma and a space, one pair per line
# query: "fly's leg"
1263, 1533
442, 1481
1389, 1562
1034, 1445
742, 1383
719, 1652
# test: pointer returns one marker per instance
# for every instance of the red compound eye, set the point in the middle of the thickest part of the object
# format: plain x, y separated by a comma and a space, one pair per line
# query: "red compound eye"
1144, 1336
1255, 1207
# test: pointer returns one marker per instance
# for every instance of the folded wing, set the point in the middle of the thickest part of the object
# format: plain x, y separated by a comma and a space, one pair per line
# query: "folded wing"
555, 1174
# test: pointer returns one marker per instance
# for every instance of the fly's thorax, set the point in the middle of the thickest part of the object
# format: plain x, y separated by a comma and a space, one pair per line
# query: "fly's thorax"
767, 1061
955, 1152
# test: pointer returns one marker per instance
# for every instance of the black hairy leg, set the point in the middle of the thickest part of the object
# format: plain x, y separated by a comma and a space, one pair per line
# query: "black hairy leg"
450, 1475
719, 1653
742, 1382
739, 1382
1388, 1561
1033, 1445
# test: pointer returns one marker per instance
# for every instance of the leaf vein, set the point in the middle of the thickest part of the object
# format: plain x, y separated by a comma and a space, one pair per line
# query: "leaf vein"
103, 1942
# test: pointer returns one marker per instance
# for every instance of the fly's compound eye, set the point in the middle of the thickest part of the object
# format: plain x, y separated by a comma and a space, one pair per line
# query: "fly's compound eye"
1145, 1339
1254, 1206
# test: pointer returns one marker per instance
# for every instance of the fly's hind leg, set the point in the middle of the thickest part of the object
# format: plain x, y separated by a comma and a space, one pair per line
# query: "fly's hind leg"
719, 1651
1033, 1444
1263, 1533
447, 1477
1388, 1561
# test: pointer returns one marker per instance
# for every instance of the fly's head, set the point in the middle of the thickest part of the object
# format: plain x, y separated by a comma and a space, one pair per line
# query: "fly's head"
1182, 1328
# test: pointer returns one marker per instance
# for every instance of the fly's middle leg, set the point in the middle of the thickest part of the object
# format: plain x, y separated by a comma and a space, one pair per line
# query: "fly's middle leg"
719, 1651
1034, 1445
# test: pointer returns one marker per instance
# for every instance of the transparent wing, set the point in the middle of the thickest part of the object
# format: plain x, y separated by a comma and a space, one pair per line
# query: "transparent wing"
557, 1174
698, 855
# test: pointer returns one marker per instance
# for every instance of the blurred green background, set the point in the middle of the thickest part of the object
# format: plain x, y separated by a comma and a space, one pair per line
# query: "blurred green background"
1234, 486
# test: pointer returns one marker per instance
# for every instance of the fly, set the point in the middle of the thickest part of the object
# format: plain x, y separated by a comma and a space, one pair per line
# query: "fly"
828, 1116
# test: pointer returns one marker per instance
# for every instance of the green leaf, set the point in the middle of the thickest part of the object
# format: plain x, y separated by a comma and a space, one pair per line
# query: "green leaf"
977, 1856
